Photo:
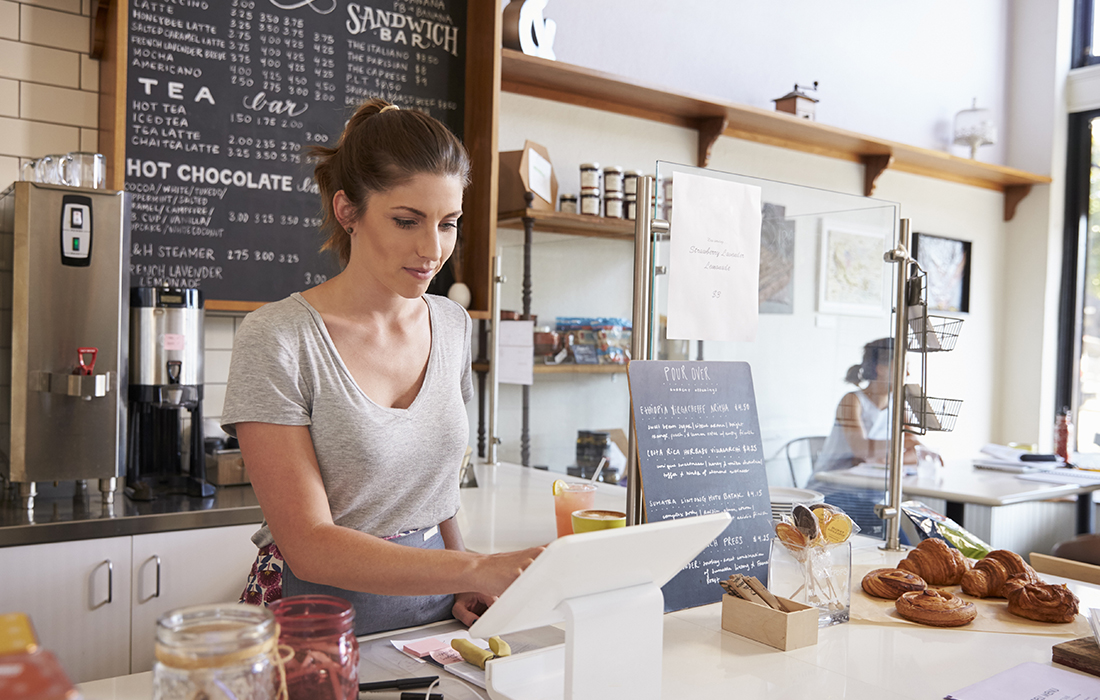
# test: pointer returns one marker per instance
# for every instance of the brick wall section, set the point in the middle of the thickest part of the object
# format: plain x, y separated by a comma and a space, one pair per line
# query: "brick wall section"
48, 84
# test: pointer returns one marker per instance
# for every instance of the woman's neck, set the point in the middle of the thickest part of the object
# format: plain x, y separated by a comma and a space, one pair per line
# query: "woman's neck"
349, 296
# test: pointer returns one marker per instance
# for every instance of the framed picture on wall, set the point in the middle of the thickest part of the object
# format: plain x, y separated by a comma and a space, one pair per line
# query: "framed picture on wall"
947, 262
853, 279
776, 261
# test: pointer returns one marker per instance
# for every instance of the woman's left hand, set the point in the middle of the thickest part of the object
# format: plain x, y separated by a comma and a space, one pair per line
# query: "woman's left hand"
468, 607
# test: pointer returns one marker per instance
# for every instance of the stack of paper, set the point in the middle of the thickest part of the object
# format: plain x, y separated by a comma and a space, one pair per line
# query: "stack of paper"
1010, 459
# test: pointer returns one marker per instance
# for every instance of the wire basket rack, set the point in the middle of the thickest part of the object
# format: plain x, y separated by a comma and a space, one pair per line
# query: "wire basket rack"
928, 413
929, 333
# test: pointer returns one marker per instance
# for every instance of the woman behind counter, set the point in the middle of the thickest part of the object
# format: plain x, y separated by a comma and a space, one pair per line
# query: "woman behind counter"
349, 398
861, 433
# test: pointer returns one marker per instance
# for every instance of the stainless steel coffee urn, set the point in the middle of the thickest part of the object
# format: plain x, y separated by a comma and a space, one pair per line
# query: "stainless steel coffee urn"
65, 281
166, 377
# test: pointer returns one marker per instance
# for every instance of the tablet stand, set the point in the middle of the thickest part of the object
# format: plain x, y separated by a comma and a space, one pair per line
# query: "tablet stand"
605, 588
612, 650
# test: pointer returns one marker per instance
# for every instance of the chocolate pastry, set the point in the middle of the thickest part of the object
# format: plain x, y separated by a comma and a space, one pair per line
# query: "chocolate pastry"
936, 562
935, 608
988, 577
1043, 602
891, 583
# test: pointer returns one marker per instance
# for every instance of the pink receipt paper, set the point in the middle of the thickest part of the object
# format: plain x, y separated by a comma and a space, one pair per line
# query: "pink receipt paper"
422, 647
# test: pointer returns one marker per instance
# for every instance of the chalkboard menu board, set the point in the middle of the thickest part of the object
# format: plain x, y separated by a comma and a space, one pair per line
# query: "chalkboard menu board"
223, 99
699, 448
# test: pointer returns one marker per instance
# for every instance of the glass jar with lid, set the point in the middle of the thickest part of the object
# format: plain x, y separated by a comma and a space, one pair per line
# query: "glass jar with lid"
613, 179
320, 629
630, 182
590, 201
219, 652
590, 176
568, 203
613, 205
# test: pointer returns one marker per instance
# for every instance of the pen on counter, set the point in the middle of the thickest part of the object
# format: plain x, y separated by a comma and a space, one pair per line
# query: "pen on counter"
399, 684
398, 695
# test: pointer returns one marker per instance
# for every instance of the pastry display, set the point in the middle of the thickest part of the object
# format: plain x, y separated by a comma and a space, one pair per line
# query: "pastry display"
1043, 602
936, 562
935, 608
891, 583
989, 575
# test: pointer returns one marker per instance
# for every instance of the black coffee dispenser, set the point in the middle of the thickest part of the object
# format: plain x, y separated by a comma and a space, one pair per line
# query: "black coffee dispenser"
166, 377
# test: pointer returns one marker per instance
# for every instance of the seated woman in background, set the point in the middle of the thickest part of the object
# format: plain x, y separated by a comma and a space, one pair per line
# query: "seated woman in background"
861, 433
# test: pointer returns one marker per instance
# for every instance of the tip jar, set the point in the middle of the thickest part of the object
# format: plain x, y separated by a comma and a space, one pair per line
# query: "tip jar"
219, 652
320, 629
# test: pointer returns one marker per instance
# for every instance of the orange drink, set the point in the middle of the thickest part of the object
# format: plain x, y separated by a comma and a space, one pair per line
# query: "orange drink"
569, 497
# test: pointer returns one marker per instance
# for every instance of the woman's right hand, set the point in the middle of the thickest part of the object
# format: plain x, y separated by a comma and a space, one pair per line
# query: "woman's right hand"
495, 572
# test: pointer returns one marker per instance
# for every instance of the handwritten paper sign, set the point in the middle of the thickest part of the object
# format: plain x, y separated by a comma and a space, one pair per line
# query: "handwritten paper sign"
714, 259
700, 452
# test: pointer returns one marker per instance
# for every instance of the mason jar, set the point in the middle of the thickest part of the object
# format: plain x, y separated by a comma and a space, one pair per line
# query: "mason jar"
320, 629
218, 652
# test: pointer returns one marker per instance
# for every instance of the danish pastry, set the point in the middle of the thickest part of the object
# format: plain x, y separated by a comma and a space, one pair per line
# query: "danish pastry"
989, 575
936, 608
891, 583
935, 562
1043, 602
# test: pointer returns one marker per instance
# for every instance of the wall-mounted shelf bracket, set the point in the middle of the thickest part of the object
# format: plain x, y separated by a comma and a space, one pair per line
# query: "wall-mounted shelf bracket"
709, 128
873, 166
1014, 194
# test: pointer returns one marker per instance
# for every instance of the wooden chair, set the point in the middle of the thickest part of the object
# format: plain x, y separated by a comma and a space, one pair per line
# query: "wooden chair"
1067, 568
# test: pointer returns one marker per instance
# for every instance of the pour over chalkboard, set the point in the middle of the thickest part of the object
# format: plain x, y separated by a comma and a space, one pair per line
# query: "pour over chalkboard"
700, 452
223, 100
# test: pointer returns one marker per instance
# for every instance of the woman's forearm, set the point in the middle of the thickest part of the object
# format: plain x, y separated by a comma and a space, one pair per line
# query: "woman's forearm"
344, 558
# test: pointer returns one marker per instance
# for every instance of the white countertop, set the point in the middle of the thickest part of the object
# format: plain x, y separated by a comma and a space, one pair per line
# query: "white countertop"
513, 508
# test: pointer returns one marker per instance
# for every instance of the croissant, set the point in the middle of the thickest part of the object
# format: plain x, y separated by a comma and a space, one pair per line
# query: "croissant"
988, 577
936, 608
891, 583
1044, 602
935, 562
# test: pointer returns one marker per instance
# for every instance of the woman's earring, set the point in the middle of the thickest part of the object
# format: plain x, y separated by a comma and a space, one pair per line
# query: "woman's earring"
350, 231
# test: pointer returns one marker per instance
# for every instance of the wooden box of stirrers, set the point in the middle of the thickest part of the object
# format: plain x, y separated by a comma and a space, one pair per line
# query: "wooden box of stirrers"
792, 627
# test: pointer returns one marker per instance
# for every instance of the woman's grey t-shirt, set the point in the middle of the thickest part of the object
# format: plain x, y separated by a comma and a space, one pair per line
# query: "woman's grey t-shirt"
385, 470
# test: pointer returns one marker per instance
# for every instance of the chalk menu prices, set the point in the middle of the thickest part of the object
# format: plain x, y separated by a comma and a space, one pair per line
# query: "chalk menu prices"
700, 452
224, 98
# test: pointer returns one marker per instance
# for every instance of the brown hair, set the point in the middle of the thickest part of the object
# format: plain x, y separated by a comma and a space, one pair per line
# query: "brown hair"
875, 353
380, 149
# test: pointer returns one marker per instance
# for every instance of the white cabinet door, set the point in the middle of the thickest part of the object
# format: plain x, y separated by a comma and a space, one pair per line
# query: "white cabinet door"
78, 597
195, 567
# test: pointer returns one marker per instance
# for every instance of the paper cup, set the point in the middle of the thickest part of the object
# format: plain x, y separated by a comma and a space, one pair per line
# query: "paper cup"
591, 520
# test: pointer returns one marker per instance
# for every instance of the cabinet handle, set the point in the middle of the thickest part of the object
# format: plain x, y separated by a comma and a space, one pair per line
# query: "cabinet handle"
157, 593
110, 581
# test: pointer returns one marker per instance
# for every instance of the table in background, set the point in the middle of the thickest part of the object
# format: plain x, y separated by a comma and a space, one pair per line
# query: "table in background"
1005, 511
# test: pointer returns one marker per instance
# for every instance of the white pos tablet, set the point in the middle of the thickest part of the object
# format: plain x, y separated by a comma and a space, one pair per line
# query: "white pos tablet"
605, 587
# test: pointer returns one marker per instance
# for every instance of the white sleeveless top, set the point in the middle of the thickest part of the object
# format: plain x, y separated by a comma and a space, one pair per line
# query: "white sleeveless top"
836, 453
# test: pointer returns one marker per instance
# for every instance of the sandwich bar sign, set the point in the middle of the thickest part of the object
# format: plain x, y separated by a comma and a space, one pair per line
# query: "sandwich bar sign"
224, 99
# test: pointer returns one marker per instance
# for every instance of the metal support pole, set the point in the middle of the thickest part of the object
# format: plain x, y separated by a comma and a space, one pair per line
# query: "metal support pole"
494, 356
891, 514
640, 346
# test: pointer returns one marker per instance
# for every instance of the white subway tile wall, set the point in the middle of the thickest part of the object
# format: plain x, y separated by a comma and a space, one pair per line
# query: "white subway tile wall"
48, 83
219, 332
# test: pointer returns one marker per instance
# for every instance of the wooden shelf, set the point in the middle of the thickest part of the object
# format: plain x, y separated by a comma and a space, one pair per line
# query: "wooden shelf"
711, 117
564, 369
572, 224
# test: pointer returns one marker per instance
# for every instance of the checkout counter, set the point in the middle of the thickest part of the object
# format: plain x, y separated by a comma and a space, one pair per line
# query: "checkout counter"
513, 508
